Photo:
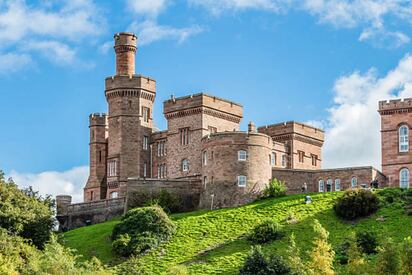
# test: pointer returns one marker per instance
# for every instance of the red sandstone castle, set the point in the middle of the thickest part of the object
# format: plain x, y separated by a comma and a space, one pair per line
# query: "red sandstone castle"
204, 157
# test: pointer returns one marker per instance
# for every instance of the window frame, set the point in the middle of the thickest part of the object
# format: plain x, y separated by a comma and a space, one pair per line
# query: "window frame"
112, 168
146, 114
114, 195
242, 155
329, 182
352, 181
321, 182
204, 158
185, 165
301, 156
403, 139
273, 159
283, 160
184, 136
337, 183
408, 178
240, 180
145, 143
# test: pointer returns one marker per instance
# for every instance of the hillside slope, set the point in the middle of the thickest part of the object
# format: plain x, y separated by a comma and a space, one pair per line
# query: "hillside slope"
213, 242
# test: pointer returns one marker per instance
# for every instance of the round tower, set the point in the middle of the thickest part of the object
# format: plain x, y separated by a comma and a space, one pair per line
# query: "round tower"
125, 47
236, 168
62, 202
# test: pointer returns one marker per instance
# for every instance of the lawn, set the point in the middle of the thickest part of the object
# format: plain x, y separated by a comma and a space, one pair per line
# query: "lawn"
213, 242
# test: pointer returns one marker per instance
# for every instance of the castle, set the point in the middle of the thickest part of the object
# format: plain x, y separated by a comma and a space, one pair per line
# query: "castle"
202, 155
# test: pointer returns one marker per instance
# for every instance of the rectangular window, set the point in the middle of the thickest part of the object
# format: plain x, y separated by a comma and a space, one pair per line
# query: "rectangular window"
144, 169
145, 142
301, 156
241, 181
273, 159
184, 136
146, 114
212, 129
112, 168
283, 160
337, 184
314, 160
204, 157
241, 155
158, 171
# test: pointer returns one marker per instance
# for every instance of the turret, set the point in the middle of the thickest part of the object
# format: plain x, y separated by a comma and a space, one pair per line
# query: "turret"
125, 48
96, 184
62, 202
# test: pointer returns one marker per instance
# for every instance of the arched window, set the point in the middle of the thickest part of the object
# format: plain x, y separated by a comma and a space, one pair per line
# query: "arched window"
185, 165
354, 182
329, 185
404, 178
403, 139
321, 186
241, 155
241, 181
114, 195
337, 184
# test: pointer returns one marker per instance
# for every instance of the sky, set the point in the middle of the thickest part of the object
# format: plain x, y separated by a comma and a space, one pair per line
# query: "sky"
326, 63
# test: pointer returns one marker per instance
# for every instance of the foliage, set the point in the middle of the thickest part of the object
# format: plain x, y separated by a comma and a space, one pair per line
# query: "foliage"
257, 263
275, 189
356, 263
267, 231
177, 270
131, 267
170, 202
141, 229
322, 255
406, 256
25, 213
367, 241
388, 261
392, 195
212, 242
355, 204
17, 256
294, 259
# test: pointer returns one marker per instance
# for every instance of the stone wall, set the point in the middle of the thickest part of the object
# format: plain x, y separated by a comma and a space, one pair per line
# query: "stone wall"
81, 214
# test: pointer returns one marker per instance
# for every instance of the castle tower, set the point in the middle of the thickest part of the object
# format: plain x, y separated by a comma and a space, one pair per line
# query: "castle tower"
95, 188
130, 98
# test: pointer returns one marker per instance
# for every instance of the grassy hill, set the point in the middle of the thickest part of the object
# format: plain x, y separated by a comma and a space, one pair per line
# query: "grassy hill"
213, 242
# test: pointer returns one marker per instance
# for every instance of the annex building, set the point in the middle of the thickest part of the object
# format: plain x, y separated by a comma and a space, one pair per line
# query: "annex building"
203, 155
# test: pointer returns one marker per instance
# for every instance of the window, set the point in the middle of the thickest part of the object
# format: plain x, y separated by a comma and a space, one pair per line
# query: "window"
204, 158
212, 129
161, 171
161, 148
241, 155
337, 184
112, 168
184, 136
301, 156
114, 195
273, 159
329, 185
354, 182
241, 181
91, 195
159, 174
321, 186
205, 181
100, 156
144, 169
404, 178
314, 160
403, 139
146, 114
185, 165
283, 160
145, 142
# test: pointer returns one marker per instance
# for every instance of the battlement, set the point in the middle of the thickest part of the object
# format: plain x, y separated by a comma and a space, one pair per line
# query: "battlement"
395, 104
130, 82
98, 119
293, 127
203, 100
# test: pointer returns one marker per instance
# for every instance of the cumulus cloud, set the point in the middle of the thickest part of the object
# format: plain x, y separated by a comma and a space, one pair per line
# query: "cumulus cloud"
70, 182
148, 7
11, 62
216, 7
149, 31
353, 124
54, 26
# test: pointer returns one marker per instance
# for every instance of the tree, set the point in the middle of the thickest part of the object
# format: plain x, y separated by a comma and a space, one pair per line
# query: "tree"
294, 259
321, 257
356, 263
388, 261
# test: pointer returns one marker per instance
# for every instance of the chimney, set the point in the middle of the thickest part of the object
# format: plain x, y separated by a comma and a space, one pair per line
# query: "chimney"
125, 47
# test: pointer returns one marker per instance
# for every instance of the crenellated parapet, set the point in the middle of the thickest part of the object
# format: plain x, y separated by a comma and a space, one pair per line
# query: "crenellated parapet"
98, 119
389, 107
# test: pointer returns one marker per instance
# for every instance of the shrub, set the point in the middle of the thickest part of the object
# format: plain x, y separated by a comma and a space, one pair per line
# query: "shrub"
275, 189
355, 204
267, 231
406, 256
141, 229
367, 241
170, 202
25, 213
177, 270
257, 263
322, 255
388, 260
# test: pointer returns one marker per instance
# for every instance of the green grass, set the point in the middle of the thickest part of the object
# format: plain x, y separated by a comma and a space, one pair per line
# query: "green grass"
213, 242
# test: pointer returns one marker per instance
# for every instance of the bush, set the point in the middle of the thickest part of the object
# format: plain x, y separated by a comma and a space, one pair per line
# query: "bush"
367, 241
275, 189
25, 213
388, 261
267, 231
406, 256
257, 263
141, 229
177, 270
355, 204
170, 202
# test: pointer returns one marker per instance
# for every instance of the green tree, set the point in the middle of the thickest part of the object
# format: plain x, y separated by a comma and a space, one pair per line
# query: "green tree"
356, 263
388, 261
294, 259
322, 255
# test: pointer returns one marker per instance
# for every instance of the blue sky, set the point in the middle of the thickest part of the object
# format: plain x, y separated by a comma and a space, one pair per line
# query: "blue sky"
322, 62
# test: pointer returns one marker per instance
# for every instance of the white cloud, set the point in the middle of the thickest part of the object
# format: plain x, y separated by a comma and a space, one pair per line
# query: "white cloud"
149, 31
11, 62
105, 47
151, 8
383, 38
53, 50
70, 182
353, 132
216, 7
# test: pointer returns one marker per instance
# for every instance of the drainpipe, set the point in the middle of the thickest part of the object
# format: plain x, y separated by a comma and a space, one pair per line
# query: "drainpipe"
151, 161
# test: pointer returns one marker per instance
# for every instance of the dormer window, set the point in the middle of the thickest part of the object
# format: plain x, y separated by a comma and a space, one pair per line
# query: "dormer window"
403, 139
